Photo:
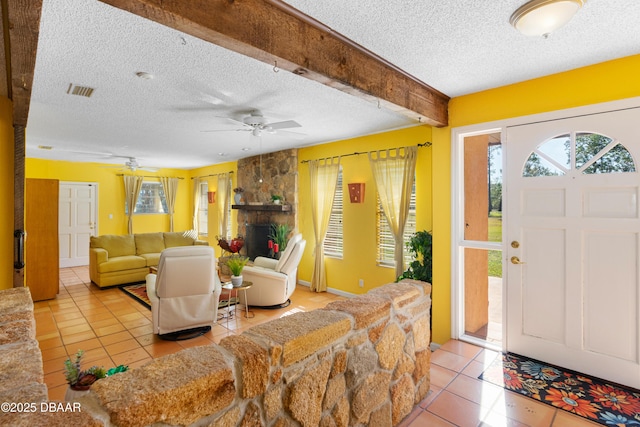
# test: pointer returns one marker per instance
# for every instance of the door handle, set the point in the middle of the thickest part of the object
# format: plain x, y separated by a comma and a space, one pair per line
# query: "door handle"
516, 260
18, 259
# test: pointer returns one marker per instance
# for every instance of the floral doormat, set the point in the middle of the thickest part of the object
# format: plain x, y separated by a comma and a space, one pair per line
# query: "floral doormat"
138, 292
594, 399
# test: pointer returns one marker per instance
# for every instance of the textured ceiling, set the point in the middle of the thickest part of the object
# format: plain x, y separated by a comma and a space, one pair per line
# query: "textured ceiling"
457, 47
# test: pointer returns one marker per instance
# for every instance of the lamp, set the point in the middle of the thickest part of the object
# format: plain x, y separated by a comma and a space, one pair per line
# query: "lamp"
542, 17
356, 192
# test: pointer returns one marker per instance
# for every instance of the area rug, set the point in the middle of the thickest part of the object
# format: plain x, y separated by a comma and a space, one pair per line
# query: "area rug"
138, 291
591, 398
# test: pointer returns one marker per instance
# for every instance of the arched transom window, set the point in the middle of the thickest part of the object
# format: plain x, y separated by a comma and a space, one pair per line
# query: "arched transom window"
585, 152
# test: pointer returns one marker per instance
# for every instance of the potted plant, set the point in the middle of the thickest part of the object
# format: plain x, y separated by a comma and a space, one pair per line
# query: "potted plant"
278, 237
236, 263
276, 199
237, 198
79, 380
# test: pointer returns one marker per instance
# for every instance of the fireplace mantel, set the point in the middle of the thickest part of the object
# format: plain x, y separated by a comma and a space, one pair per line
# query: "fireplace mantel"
270, 208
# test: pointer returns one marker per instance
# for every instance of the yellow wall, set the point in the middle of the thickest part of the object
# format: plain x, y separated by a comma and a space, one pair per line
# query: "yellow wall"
608, 81
6, 193
213, 208
111, 194
359, 220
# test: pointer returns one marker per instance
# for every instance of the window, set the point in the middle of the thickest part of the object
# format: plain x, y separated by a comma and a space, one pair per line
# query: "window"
588, 153
151, 199
203, 210
385, 240
333, 241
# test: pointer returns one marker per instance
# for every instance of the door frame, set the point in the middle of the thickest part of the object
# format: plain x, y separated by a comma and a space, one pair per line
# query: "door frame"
457, 201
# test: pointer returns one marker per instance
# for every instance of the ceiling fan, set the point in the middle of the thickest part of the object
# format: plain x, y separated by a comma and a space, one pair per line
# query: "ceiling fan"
256, 123
133, 165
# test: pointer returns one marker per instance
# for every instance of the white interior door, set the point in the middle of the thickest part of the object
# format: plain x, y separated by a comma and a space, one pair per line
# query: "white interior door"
573, 224
77, 221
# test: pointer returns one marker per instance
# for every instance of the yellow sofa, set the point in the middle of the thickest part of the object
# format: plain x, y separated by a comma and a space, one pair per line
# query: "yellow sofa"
116, 260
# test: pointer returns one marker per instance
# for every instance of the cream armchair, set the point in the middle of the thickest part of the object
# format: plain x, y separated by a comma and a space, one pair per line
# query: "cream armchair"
184, 294
273, 280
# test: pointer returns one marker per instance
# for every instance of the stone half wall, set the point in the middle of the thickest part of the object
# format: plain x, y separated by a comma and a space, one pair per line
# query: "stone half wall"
364, 361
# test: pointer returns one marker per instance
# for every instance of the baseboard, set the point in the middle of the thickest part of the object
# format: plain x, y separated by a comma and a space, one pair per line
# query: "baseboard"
330, 290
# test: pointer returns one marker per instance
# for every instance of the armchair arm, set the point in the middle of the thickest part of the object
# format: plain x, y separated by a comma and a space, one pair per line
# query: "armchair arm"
151, 288
265, 262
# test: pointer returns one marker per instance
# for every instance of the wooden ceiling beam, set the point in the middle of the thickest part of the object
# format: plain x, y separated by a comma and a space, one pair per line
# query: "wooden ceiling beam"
274, 32
23, 22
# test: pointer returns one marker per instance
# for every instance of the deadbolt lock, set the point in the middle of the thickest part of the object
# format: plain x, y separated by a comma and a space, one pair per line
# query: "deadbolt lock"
515, 244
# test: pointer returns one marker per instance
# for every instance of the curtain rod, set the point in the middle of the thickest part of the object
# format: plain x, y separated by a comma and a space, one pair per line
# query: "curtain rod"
424, 144
150, 176
213, 174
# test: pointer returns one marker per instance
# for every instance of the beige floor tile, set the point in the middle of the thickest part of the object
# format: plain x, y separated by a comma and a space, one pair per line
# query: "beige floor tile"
53, 353
162, 348
74, 338
524, 409
83, 345
441, 377
53, 365
480, 392
130, 356
457, 410
565, 419
495, 419
449, 360
50, 342
461, 348
433, 393
431, 420
117, 337
122, 346
109, 330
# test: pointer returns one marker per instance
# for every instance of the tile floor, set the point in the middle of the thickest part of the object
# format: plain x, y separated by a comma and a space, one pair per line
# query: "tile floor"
114, 329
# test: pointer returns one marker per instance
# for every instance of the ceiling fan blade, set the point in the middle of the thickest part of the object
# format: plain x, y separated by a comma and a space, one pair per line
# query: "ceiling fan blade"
227, 130
284, 125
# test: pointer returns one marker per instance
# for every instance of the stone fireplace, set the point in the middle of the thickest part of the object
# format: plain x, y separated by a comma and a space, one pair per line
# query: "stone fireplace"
261, 177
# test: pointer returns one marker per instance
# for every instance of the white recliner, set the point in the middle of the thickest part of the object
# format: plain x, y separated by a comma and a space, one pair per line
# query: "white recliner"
184, 293
273, 280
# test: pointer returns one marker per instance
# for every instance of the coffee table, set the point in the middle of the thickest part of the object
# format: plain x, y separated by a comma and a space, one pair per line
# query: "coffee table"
228, 286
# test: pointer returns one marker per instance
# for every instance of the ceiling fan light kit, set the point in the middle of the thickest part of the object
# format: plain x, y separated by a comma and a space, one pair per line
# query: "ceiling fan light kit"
542, 17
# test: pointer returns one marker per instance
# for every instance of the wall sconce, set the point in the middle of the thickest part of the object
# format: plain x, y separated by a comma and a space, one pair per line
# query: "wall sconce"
212, 196
356, 192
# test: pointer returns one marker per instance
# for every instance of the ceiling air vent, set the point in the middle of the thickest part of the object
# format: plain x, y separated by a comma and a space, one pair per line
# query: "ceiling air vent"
80, 90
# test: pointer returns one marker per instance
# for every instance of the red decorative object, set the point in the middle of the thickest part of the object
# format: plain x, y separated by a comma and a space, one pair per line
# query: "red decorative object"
275, 248
270, 244
233, 246
211, 196
356, 192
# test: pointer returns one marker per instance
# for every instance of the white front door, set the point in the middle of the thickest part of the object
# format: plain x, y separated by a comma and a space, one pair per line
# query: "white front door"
77, 222
573, 247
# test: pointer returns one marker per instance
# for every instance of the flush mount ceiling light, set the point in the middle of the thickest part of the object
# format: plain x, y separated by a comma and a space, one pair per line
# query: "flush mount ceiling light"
542, 17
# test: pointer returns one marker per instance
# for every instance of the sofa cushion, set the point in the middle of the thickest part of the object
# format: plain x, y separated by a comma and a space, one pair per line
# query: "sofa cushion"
149, 243
115, 245
120, 263
173, 239
151, 259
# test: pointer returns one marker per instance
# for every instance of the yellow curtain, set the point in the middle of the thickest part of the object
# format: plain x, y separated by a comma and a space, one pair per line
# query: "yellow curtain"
132, 187
224, 200
324, 177
170, 186
393, 172
196, 204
